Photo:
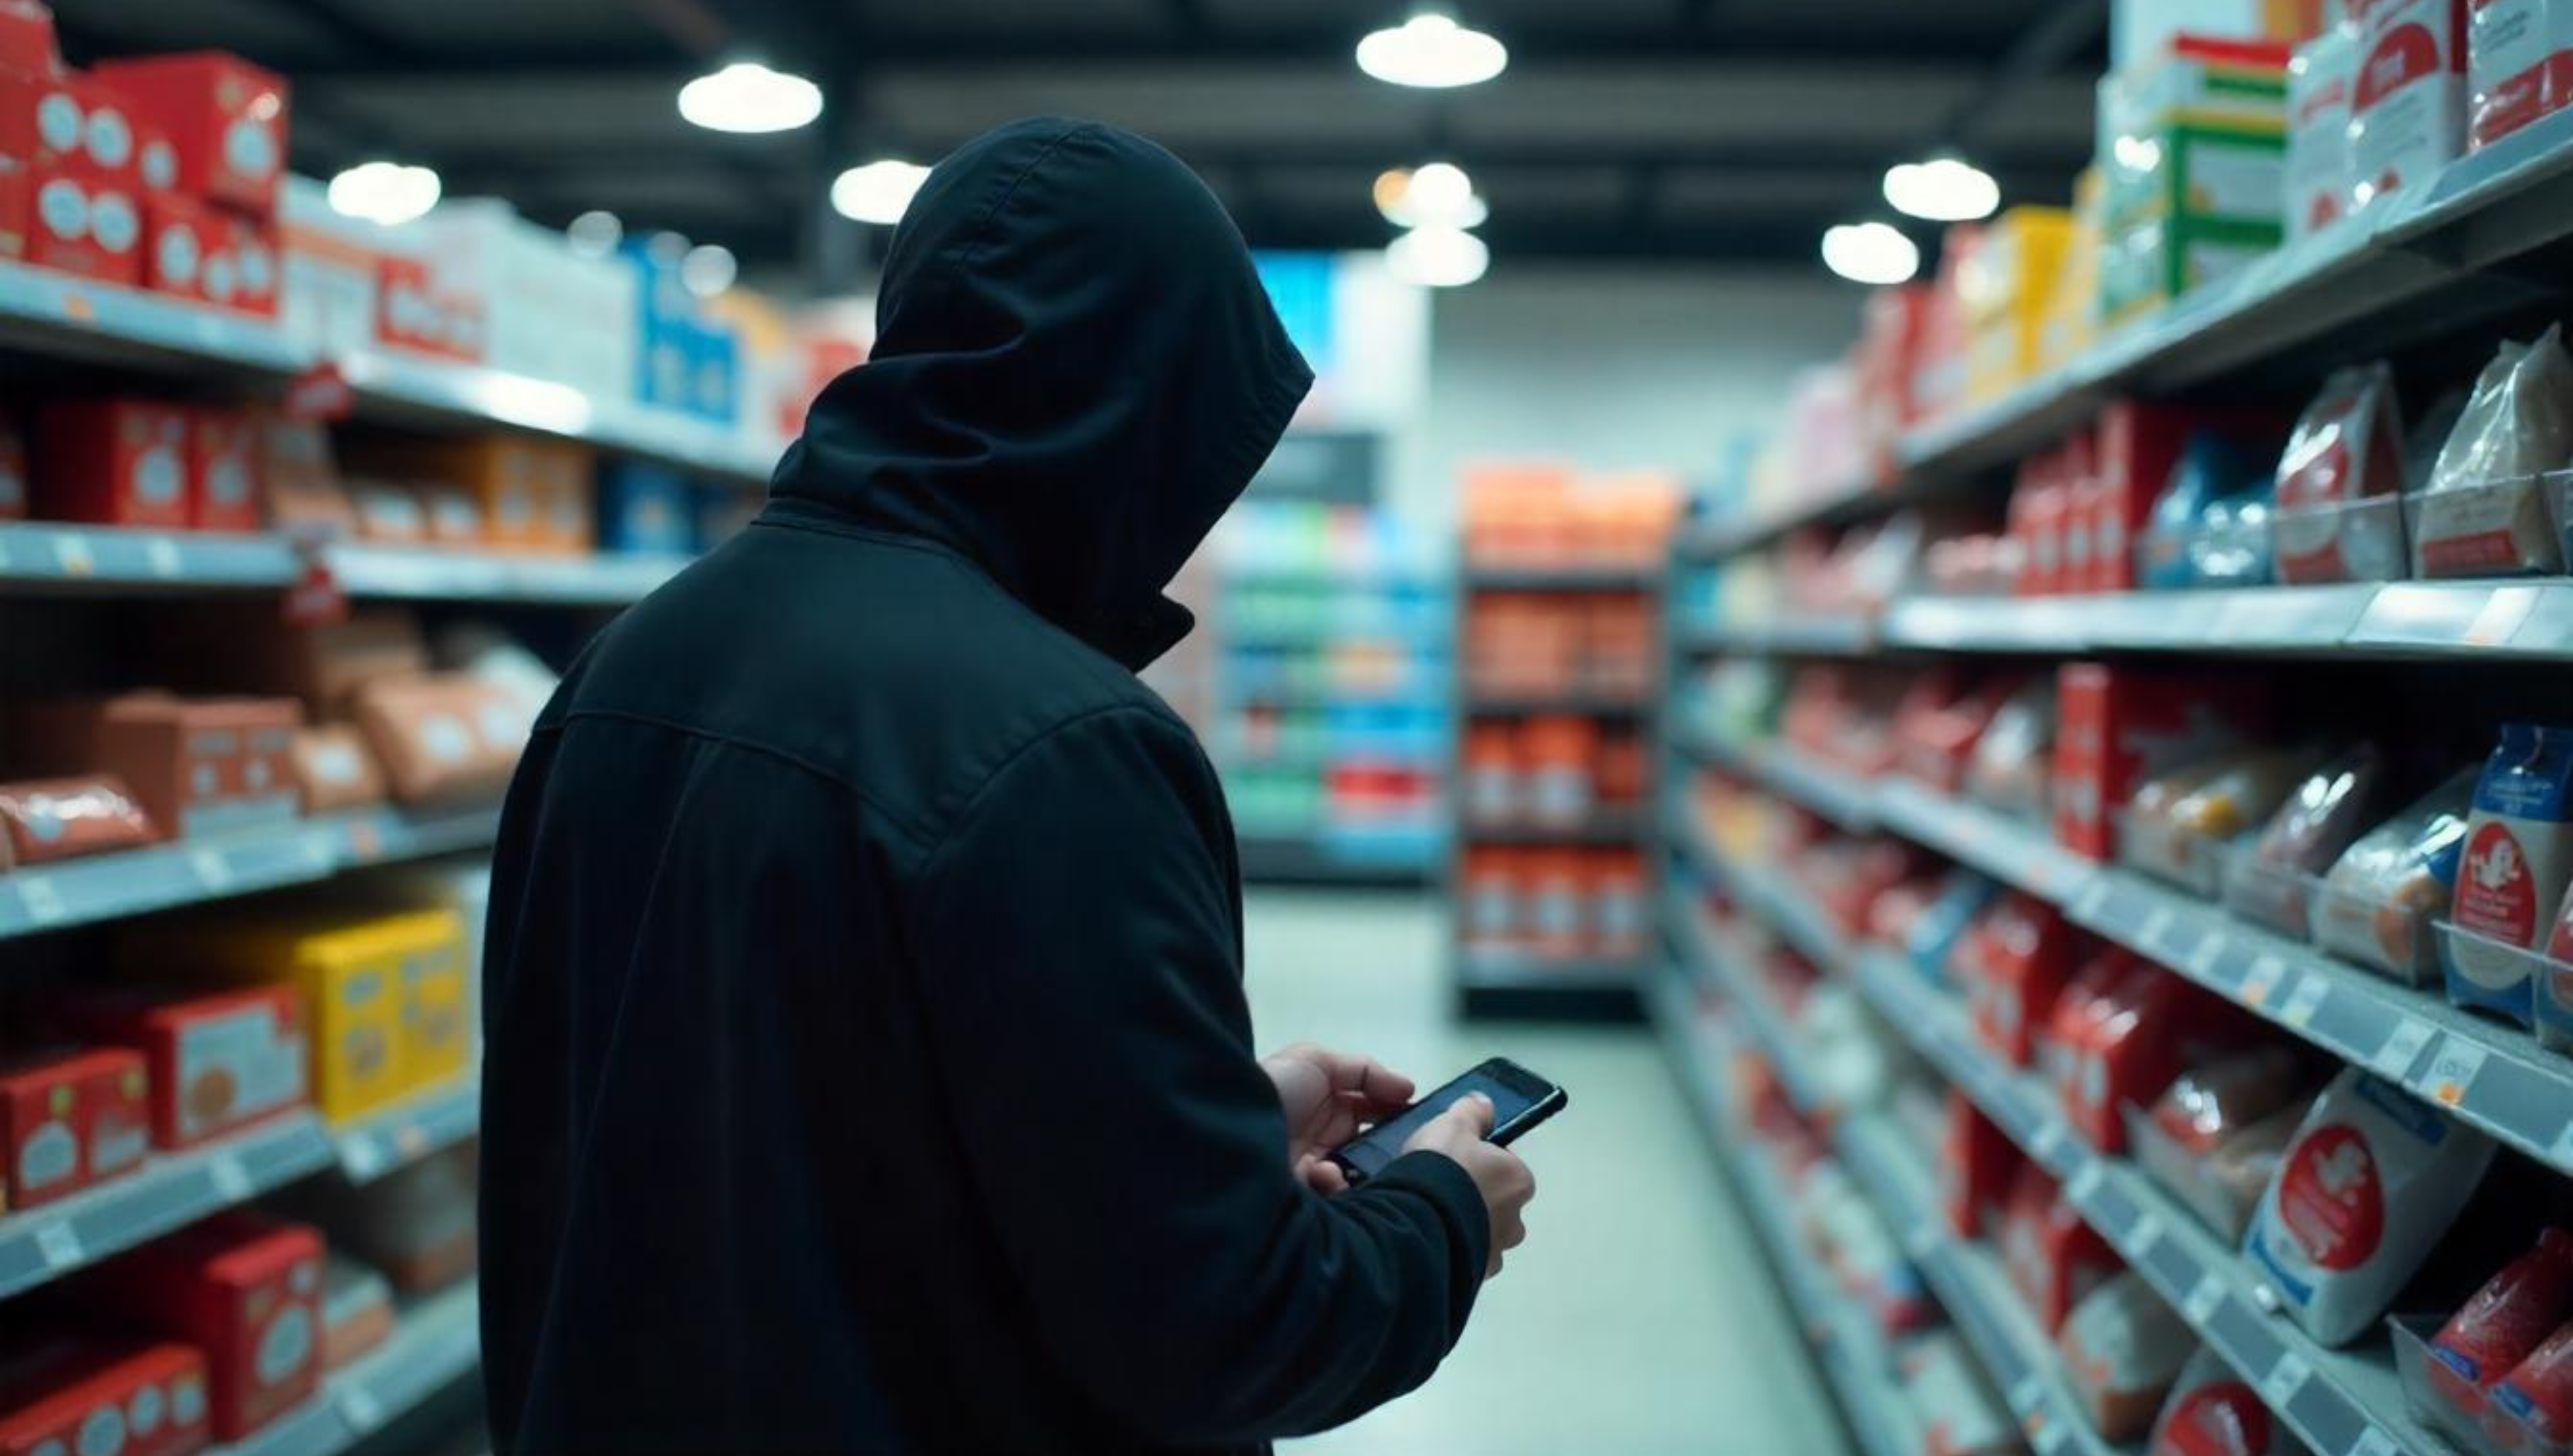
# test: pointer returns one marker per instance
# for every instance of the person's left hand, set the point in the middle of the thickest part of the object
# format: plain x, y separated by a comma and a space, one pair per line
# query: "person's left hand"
1328, 1096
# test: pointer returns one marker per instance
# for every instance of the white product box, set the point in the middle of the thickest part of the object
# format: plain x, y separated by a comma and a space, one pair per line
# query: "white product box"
2320, 84
553, 314
2139, 29
2408, 111
331, 269
2519, 55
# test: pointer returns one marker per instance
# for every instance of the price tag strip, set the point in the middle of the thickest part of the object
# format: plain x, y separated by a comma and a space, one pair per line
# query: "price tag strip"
2261, 979
2403, 1048
2452, 1072
2301, 1004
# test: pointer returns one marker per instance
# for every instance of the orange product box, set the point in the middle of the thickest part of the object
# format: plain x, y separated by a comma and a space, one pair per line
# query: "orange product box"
242, 1289
111, 463
62, 1395
325, 665
197, 765
225, 116
2117, 726
449, 516
507, 477
357, 1311
1559, 753
566, 476
335, 770
214, 1062
1622, 770
83, 224
1558, 903
1620, 912
60, 818
441, 736
223, 470
69, 1119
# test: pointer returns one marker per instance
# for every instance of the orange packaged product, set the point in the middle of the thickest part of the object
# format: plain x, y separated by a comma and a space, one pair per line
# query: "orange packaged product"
1619, 910
505, 475
1622, 770
1559, 753
335, 770
440, 737
388, 513
299, 481
1494, 904
57, 819
198, 764
567, 494
1496, 783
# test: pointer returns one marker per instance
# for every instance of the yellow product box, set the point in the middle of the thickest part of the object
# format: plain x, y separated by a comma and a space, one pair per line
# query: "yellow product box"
2003, 292
386, 995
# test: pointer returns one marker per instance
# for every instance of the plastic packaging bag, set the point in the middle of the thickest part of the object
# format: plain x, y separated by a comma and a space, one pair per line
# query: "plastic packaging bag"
2510, 883
2366, 1191
2271, 883
2384, 891
2124, 1349
2209, 485
2215, 1136
2213, 1411
2340, 485
2484, 511
2539, 1394
2506, 1320
2014, 761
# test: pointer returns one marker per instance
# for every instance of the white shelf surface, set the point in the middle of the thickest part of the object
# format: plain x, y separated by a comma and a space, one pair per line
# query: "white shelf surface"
2487, 1075
435, 1342
221, 867
49, 559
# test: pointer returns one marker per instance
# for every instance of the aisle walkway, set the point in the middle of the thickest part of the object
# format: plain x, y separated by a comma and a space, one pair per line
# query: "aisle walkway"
1637, 1320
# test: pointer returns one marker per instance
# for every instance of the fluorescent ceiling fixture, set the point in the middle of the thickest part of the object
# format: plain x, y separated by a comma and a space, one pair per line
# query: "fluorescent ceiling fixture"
383, 191
1439, 195
1871, 253
1434, 51
879, 191
595, 234
1438, 257
1943, 190
748, 97
708, 268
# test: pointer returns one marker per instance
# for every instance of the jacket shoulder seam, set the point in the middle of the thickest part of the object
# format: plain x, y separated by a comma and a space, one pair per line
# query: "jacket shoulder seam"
834, 777
937, 846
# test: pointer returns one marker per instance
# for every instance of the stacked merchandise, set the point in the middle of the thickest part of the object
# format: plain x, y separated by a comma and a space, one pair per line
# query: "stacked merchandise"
1331, 684
1561, 654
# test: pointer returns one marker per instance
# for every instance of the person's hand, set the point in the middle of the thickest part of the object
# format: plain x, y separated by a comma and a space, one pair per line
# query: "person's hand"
1504, 1182
1328, 1096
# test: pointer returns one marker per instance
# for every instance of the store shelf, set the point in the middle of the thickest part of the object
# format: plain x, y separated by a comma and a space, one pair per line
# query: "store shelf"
1579, 705
167, 1192
1611, 827
1715, 539
1512, 985
2490, 1076
435, 1343
1854, 1357
1563, 578
1294, 860
2530, 620
222, 866
2337, 1400
1797, 635
55, 315
428, 574
423, 1123
1713, 959
42, 558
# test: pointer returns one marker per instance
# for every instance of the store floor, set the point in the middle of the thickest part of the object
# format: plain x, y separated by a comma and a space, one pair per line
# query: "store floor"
1637, 1320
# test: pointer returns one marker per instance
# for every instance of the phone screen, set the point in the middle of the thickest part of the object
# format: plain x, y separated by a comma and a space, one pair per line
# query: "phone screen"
1381, 1145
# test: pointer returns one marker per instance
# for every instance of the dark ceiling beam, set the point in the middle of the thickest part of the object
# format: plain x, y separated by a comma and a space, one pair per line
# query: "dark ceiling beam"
692, 26
2066, 30
347, 32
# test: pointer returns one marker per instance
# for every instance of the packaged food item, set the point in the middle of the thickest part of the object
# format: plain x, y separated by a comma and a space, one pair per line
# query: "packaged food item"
334, 769
2122, 1351
1493, 893
1977, 1164
2516, 54
2270, 883
2369, 1187
57, 819
119, 463
2138, 444
2015, 961
1938, 736
2511, 879
2322, 81
196, 765
1958, 1412
357, 1310
2213, 1411
2215, 1136
225, 118
2118, 726
2136, 1042
2538, 1396
2059, 1049
2053, 1259
1934, 935
2340, 485
2555, 986
2204, 1107
2505, 1321
242, 1289
325, 664
2008, 768
69, 1119
2377, 905
213, 1061
76, 222
441, 736
60, 1395
2483, 512
2197, 506
2182, 820
299, 479
2408, 113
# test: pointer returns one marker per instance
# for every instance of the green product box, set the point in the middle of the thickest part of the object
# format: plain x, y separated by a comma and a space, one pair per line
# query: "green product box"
2196, 174
2146, 268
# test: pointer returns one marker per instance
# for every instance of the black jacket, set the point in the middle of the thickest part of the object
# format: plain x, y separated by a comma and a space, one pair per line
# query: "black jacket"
867, 1067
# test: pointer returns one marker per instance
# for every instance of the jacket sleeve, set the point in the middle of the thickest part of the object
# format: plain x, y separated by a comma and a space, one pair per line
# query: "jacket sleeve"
1083, 991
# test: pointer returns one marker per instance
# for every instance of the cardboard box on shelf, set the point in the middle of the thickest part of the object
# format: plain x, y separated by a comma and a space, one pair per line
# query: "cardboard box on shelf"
45, 122
62, 1394
299, 481
2003, 293
225, 118
357, 1311
181, 237
242, 1289
416, 1225
443, 736
506, 475
60, 818
2138, 444
248, 274
2119, 725
325, 665
2408, 111
88, 226
2518, 54
566, 481
111, 463
2141, 29
27, 36
223, 470
2151, 267
69, 1119
215, 1062
555, 315
416, 314
2322, 84
196, 765
334, 769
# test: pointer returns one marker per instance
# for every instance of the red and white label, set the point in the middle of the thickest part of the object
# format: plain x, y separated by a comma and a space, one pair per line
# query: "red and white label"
2331, 1200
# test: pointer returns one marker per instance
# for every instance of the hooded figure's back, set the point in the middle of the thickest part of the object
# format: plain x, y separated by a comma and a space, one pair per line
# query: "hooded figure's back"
866, 1062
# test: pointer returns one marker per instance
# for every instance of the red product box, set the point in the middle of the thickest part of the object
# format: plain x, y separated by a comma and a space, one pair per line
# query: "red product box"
69, 1119
2136, 1042
1935, 737
244, 1289
1977, 1164
2118, 726
27, 36
2134, 450
83, 224
222, 471
62, 1395
225, 116
45, 121
182, 237
113, 462
413, 312
253, 270
2053, 1258
214, 1063
2040, 507
2022, 952
2067, 1031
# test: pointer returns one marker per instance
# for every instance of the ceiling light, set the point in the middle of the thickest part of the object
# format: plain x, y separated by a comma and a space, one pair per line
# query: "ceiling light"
383, 191
1871, 253
708, 268
1439, 195
879, 192
1438, 257
1431, 50
595, 234
748, 97
1943, 190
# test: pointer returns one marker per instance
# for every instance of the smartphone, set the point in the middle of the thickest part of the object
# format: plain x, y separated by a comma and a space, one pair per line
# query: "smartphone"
1520, 1100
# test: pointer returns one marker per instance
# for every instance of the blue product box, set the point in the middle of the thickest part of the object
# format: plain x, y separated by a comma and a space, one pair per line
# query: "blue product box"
714, 374
645, 509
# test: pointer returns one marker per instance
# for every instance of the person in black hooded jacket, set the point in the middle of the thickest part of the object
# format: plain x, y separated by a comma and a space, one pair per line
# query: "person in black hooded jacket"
866, 1061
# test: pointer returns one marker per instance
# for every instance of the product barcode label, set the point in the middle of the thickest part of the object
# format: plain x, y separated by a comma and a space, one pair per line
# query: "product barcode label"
2261, 979
2452, 1072
59, 1243
2305, 1001
231, 1180
2284, 1379
2403, 1048
2202, 1300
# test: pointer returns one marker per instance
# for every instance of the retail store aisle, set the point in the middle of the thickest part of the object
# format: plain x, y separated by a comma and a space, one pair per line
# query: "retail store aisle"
1637, 1320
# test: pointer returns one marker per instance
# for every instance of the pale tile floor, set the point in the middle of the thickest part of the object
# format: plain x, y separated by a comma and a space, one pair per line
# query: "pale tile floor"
1637, 1320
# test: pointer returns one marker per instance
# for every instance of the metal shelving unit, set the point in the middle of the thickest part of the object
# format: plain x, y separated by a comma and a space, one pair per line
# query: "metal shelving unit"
435, 1343
43, 558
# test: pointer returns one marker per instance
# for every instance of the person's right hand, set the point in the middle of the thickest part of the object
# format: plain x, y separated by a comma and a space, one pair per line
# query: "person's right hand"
1505, 1182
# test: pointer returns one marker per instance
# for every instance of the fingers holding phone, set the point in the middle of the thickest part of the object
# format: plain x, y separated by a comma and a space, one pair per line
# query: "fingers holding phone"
1505, 1182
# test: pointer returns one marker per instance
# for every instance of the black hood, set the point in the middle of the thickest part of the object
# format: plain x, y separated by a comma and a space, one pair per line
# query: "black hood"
1075, 373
